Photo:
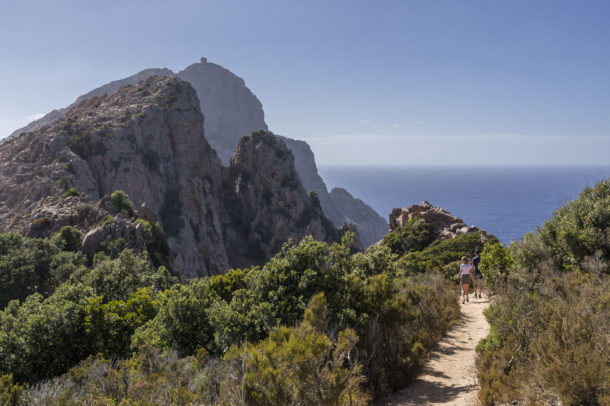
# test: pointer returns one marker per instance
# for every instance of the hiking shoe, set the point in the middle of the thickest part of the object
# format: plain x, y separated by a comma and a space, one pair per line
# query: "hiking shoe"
467, 300
463, 301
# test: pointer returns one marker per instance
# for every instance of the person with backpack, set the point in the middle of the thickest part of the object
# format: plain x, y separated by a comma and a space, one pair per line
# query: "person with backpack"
465, 276
477, 280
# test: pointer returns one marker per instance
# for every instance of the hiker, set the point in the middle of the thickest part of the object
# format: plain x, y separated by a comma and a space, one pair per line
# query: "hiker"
465, 276
477, 279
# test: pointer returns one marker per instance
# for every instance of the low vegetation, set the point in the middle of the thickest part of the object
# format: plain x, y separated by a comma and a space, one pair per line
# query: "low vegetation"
550, 322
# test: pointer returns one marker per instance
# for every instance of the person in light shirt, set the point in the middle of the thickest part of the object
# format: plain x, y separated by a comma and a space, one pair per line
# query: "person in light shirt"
465, 276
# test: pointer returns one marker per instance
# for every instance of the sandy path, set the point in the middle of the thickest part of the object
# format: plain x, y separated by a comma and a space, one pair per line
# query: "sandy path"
450, 375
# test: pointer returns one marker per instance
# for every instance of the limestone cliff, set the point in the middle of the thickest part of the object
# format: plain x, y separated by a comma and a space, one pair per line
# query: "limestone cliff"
148, 141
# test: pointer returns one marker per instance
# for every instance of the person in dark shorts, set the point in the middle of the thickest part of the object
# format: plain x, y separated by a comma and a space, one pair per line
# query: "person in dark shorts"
465, 276
477, 279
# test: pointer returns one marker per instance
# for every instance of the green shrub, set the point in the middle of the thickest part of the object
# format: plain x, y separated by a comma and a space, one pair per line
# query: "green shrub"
415, 235
363, 304
182, 322
441, 253
548, 338
10, 392
68, 238
302, 365
121, 201
71, 192
580, 229
495, 264
33, 265
314, 199
97, 310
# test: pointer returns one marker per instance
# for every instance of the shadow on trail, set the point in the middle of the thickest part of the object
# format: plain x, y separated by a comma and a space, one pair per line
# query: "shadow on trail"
449, 376
429, 392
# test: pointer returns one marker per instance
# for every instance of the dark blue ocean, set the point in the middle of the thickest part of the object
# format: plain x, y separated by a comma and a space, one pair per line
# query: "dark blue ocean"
507, 201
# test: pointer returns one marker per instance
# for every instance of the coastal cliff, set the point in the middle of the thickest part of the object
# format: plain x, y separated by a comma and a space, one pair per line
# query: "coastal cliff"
232, 110
148, 141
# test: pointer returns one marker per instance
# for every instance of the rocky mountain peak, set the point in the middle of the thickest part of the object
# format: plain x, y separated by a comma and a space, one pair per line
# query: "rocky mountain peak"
148, 141
231, 111
230, 107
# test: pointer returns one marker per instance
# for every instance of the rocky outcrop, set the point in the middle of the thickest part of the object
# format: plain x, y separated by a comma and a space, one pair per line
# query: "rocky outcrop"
148, 141
269, 201
370, 225
444, 224
231, 111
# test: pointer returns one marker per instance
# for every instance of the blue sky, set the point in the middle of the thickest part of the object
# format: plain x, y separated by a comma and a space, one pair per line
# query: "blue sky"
368, 83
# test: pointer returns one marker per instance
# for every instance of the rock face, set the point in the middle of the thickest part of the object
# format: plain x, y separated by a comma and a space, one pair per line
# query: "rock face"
269, 201
444, 224
305, 164
148, 141
338, 205
231, 111
370, 225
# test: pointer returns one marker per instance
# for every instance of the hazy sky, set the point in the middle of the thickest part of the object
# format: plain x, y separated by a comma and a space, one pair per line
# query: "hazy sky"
364, 82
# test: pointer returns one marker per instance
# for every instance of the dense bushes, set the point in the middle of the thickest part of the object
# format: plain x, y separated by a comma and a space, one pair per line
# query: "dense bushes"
94, 311
398, 318
368, 322
580, 229
549, 325
30, 265
415, 235
295, 365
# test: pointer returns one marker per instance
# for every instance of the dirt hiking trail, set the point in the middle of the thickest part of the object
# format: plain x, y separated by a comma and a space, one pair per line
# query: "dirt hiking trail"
450, 375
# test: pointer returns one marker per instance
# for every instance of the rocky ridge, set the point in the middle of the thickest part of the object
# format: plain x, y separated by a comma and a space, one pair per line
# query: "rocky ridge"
231, 111
148, 141
444, 224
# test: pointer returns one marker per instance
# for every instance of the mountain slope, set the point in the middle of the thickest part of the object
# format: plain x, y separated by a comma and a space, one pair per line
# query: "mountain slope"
148, 141
231, 111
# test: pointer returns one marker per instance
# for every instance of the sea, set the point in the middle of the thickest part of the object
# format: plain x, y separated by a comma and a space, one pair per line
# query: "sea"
506, 201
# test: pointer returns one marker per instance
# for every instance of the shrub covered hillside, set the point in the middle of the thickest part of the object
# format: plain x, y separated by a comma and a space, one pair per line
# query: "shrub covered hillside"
315, 325
550, 324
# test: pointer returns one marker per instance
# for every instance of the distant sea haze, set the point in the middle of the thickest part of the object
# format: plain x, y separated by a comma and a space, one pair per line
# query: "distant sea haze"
506, 201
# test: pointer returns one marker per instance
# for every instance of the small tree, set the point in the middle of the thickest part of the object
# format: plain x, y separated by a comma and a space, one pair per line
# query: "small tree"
121, 201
